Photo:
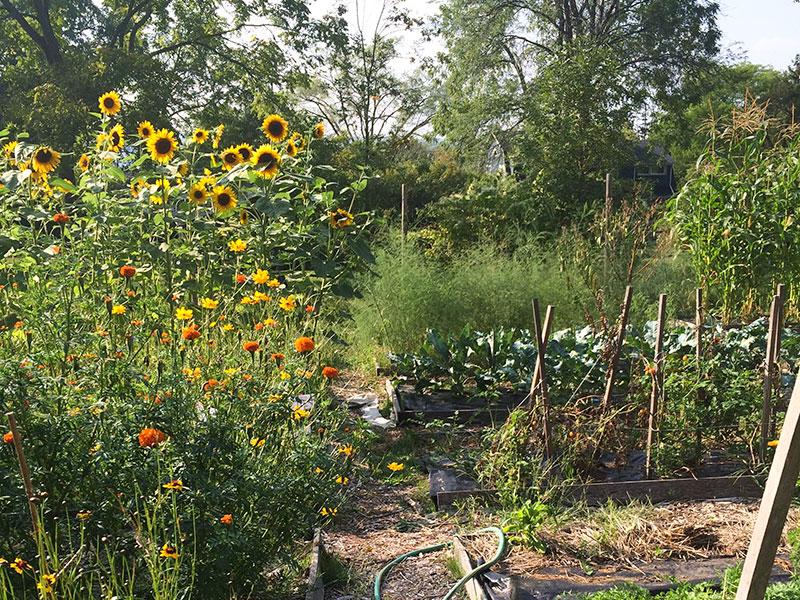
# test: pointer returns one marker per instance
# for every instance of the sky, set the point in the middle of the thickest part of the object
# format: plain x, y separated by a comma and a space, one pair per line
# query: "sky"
762, 31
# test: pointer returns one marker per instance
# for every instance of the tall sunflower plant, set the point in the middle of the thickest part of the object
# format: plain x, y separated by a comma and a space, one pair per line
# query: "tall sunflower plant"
165, 303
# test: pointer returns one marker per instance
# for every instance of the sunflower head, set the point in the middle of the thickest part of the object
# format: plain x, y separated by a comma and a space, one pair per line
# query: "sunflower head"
298, 141
223, 198
145, 129
266, 161
83, 162
116, 138
162, 145
230, 158
291, 149
9, 151
200, 136
218, 131
198, 193
45, 160
110, 103
319, 130
245, 152
275, 128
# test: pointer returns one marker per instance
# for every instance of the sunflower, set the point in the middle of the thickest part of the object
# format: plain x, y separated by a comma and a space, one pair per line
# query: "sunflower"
109, 103
116, 138
319, 130
230, 158
298, 141
218, 131
168, 551
223, 198
266, 160
162, 145
9, 150
198, 193
137, 185
83, 162
45, 160
145, 129
291, 149
275, 127
245, 152
200, 136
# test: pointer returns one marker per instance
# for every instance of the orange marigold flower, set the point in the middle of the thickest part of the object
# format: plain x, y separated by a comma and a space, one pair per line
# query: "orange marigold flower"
210, 384
150, 437
330, 372
277, 356
251, 346
127, 271
226, 520
190, 333
258, 326
304, 344
60, 218
241, 278
8, 437
309, 308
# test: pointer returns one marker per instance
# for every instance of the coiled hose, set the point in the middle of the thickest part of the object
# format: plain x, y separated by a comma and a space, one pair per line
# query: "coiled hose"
501, 551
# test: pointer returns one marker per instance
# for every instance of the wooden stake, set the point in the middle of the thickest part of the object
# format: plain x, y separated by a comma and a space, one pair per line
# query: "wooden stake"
769, 367
699, 320
612, 367
781, 293
23, 470
542, 383
403, 211
657, 392
548, 322
774, 507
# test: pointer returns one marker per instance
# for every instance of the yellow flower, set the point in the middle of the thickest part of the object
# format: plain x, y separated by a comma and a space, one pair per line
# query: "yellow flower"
227, 327
209, 303
45, 160
270, 323
19, 565
257, 442
300, 413
175, 485
340, 218
291, 149
275, 127
394, 467
116, 138
347, 450
162, 145
184, 314
200, 136
224, 198
118, 309
342, 480
237, 245
284, 375
328, 512
287, 303
220, 129
230, 158
46, 583
83, 162
261, 276
109, 103
772, 443
260, 297
84, 515
9, 149
198, 193
168, 551
273, 283
266, 161
245, 152
319, 130
145, 129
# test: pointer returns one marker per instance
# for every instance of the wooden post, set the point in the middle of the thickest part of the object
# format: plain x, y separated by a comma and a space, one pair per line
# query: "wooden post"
700, 399
781, 293
769, 367
23, 470
403, 211
657, 392
548, 323
774, 506
542, 383
617, 350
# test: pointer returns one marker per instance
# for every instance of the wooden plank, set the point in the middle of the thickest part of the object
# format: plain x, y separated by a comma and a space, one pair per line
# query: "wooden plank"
657, 391
612, 367
316, 585
771, 519
769, 367
473, 587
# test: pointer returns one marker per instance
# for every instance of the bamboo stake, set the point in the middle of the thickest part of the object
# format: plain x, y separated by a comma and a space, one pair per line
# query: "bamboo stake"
657, 392
766, 408
542, 384
612, 367
23, 470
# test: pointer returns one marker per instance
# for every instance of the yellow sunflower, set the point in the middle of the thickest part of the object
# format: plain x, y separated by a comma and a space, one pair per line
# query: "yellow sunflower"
137, 185
198, 193
116, 138
145, 129
162, 145
45, 160
319, 130
218, 131
298, 141
266, 161
9, 150
200, 136
110, 103
230, 158
275, 128
291, 149
223, 198
83, 162
245, 152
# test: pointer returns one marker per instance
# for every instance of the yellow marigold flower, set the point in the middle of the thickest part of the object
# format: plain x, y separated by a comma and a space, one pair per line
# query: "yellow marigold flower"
209, 303
342, 480
223, 198
118, 309
227, 327
340, 219
275, 127
266, 161
395, 466
175, 485
285, 375
200, 136
287, 303
109, 103
83, 162
270, 323
347, 450
328, 512
273, 283
319, 130
168, 551
772, 443
257, 442
261, 297
198, 194
300, 413
245, 152
261, 276
162, 145
237, 245
116, 138
230, 158
184, 314
145, 129
45, 160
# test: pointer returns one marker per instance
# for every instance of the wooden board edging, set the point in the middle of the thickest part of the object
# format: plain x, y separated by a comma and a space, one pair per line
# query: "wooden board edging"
316, 586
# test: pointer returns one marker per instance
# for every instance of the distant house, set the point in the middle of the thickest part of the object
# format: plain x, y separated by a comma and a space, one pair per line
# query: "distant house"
653, 165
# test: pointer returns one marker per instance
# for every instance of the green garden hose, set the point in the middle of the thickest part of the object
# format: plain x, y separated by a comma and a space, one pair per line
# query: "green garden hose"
501, 551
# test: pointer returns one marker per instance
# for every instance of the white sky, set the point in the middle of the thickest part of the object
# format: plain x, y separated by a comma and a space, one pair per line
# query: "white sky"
765, 31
